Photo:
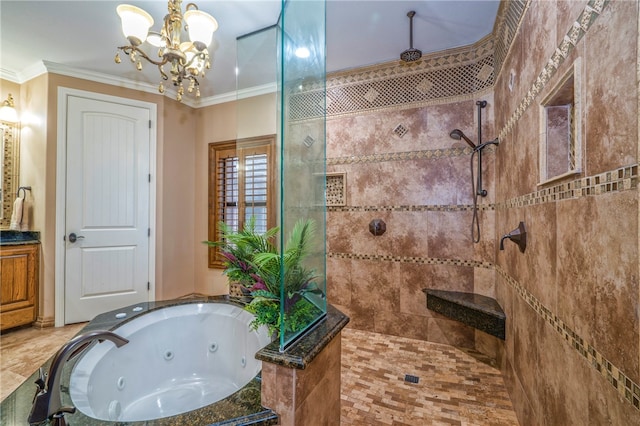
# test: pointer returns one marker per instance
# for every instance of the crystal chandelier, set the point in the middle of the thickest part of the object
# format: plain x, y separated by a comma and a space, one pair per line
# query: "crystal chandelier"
188, 60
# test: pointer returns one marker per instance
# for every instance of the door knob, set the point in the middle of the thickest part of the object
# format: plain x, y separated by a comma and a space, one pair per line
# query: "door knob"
73, 237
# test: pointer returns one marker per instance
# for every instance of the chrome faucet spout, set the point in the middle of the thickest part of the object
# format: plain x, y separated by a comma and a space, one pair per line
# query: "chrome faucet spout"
47, 403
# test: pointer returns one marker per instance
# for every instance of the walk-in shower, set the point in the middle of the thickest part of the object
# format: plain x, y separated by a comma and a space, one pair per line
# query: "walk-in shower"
476, 187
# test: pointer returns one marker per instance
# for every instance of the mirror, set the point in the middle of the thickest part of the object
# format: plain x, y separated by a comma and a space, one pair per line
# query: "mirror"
9, 169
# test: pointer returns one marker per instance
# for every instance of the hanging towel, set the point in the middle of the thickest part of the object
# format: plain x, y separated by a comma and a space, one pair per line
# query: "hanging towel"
16, 216
27, 215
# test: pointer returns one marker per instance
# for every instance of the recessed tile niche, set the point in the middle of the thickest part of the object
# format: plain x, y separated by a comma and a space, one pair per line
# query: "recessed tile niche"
560, 135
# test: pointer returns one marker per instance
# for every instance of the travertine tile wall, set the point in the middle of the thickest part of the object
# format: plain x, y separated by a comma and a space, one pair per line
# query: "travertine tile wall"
388, 135
401, 166
572, 352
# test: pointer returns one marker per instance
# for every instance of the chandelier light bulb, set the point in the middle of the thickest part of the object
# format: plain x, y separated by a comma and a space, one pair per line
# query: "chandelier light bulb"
201, 27
135, 23
155, 39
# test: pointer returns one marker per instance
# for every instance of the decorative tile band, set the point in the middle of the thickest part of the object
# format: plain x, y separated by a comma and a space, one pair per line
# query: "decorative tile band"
622, 179
579, 28
507, 25
440, 76
411, 259
626, 387
431, 154
411, 208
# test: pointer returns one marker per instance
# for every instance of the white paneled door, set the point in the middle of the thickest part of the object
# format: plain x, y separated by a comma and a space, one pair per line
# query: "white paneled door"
107, 207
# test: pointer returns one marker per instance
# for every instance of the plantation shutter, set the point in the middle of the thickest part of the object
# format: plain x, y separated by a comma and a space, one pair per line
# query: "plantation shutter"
241, 186
256, 180
227, 188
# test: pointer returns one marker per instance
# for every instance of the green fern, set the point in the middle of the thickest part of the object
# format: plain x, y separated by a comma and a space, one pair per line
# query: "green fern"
252, 260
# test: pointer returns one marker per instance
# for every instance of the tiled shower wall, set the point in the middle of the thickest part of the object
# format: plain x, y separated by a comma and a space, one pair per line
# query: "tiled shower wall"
388, 140
572, 351
418, 182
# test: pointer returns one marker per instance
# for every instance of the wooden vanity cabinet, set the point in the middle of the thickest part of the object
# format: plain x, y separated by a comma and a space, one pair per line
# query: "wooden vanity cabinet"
19, 284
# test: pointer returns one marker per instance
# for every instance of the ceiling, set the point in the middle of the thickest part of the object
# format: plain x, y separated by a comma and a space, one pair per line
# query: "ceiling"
82, 36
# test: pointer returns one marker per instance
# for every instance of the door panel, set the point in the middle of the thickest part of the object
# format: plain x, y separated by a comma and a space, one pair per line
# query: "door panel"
107, 208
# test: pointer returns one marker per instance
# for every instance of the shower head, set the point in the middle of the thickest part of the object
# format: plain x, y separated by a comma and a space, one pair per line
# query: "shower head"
411, 54
458, 135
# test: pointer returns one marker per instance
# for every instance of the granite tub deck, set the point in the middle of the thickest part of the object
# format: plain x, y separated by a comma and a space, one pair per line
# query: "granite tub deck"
242, 408
474, 310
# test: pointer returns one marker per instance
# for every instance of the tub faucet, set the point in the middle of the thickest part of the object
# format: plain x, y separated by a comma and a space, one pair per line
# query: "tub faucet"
47, 404
518, 236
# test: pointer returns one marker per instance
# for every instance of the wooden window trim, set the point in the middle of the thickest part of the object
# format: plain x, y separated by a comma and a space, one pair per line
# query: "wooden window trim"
241, 148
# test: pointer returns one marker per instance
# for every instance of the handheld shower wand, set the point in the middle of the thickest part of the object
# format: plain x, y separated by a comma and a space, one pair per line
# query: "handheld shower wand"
458, 135
476, 187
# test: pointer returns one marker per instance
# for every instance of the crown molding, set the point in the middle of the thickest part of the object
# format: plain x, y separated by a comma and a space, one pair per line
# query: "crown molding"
43, 67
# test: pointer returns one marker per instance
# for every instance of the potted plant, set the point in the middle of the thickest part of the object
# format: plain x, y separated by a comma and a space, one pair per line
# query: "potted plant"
253, 261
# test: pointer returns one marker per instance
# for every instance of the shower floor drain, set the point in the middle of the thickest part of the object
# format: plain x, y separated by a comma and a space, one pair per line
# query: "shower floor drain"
411, 379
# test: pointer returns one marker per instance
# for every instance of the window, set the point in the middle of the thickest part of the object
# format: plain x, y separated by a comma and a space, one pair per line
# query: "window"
241, 185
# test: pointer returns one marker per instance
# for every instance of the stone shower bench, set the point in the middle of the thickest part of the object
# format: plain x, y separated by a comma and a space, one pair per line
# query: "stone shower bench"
474, 310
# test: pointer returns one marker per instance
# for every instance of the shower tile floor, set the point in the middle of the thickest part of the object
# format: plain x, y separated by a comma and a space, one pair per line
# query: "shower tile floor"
455, 387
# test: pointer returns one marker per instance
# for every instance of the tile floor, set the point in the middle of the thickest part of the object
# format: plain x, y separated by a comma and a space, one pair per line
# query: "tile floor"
455, 387
24, 350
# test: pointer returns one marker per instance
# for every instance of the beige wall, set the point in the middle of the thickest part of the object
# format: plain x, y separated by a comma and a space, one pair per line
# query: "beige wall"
183, 135
241, 119
175, 176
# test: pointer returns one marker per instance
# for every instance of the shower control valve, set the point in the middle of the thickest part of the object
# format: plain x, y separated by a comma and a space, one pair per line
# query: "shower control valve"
377, 227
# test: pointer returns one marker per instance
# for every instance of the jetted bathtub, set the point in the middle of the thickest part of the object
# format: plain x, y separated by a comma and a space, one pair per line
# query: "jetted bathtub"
179, 358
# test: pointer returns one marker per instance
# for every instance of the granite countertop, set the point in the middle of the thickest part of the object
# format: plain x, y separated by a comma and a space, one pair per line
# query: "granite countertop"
241, 408
304, 350
14, 238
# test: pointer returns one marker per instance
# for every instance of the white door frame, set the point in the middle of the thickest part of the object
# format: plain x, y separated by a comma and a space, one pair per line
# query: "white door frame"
61, 190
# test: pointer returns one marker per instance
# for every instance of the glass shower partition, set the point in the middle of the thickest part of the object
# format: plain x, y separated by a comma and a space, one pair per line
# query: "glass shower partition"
288, 60
301, 117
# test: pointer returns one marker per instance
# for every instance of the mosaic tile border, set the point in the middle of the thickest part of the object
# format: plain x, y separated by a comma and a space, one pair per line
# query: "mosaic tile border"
507, 26
440, 76
430, 154
411, 259
626, 387
621, 179
412, 208
11, 156
590, 13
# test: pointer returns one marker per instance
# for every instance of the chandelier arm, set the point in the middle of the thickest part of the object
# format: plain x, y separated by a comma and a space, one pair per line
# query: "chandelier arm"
162, 73
199, 55
128, 49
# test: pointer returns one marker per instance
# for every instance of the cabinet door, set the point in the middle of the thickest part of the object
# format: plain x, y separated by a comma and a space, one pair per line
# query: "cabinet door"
18, 285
